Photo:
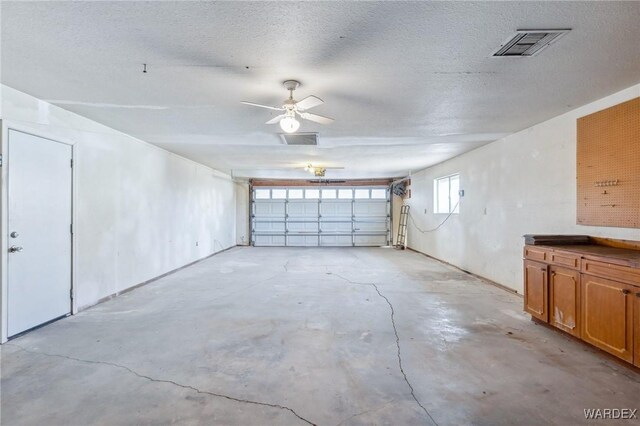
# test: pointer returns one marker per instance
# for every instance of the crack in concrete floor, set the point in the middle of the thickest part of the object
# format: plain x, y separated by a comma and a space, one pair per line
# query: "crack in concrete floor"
395, 330
171, 382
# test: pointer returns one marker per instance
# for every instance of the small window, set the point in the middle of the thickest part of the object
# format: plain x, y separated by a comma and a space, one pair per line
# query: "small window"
295, 194
263, 194
328, 194
311, 194
362, 193
278, 194
445, 194
379, 194
345, 194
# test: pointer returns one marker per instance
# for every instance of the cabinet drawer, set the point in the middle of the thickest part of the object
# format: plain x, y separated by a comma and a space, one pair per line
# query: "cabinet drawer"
568, 260
536, 253
609, 270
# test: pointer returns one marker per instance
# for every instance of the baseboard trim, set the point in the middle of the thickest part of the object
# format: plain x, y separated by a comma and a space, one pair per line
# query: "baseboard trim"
480, 277
136, 286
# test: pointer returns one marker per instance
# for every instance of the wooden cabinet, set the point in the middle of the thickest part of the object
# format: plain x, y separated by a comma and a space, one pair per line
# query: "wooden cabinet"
591, 291
636, 327
536, 289
564, 299
607, 315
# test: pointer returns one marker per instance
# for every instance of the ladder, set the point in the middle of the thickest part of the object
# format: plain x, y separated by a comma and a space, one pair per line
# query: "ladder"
401, 238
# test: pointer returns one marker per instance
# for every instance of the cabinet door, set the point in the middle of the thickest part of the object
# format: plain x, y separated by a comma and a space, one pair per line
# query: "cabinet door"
564, 299
636, 327
535, 290
607, 315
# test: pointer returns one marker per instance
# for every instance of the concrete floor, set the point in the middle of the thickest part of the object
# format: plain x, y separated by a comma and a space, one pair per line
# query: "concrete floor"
327, 336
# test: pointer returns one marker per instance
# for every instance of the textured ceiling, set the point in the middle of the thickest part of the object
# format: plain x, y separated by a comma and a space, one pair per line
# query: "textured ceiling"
409, 84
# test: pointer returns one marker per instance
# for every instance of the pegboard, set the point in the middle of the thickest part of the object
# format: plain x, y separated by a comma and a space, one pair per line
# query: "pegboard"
608, 167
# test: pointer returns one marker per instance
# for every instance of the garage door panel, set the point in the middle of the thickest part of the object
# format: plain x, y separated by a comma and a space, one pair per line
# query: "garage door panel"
370, 208
294, 227
268, 209
302, 209
335, 240
269, 240
370, 240
265, 226
370, 226
341, 221
335, 209
302, 240
336, 227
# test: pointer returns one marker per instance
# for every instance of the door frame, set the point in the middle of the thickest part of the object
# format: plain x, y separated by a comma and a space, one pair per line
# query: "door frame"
36, 131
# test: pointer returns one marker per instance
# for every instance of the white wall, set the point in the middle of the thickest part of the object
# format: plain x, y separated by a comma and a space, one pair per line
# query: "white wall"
242, 213
140, 211
522, 184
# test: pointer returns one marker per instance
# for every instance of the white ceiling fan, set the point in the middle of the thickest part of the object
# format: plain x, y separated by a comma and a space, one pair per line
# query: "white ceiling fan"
291, 107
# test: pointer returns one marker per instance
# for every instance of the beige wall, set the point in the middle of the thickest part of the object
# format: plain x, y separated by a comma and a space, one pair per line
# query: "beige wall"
140, 211
522, 184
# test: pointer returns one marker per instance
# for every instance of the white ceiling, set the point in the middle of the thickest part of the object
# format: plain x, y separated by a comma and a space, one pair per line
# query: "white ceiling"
409, 84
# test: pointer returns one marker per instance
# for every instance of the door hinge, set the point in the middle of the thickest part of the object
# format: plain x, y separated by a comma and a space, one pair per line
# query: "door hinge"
72, 162
71, 293
1, 162
71, 228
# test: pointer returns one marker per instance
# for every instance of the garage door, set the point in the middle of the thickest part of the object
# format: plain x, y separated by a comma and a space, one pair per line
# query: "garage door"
323, 216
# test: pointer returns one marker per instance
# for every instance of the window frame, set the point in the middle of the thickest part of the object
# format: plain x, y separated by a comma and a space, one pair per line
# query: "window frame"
453, 206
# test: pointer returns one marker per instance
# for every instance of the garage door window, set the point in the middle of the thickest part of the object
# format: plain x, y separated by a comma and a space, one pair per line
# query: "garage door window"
263, 194
328, 194
378, 194
362, 194
295, 194
279, 194
312, 194
345, 194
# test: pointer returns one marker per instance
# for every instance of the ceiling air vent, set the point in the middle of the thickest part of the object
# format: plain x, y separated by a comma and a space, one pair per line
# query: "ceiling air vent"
305, 139
529, 42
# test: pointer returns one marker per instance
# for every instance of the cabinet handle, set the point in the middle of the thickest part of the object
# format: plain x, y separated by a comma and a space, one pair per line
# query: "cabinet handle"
625, 291
637, 294
543, 269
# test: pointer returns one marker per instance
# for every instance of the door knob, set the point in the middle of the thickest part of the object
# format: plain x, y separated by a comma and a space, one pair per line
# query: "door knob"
14, 234
15, 249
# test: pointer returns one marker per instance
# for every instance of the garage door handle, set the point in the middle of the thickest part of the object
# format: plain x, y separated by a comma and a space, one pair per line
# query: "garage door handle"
15, 249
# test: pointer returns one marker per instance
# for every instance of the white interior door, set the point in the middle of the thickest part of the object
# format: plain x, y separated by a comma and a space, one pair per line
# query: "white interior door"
39, 227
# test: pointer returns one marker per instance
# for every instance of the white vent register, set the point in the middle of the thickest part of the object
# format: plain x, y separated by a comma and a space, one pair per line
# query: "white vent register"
529, 42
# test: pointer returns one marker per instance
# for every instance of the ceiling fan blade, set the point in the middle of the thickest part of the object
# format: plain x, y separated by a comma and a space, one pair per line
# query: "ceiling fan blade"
275, 120
317, 118
308, 103
262, 106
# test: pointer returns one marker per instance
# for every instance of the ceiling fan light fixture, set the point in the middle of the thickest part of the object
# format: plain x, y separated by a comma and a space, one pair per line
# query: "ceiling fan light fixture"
289, 124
